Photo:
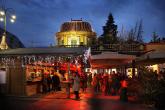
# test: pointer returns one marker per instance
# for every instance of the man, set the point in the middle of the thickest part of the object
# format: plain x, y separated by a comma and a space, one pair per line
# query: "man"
55, 82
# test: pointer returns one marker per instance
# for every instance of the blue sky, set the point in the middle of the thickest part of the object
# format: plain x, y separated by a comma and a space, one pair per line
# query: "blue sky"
39, 20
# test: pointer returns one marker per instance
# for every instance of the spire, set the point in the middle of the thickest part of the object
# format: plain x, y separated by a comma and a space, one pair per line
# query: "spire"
3, 44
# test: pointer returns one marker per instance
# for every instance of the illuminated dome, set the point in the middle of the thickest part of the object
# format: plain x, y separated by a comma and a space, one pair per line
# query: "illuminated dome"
75, 32
76, 25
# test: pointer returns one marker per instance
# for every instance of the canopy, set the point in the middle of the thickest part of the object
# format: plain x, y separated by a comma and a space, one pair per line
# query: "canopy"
110, 60
154, 57
46, 50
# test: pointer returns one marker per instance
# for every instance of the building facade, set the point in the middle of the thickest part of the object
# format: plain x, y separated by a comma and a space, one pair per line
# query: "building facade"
75, 33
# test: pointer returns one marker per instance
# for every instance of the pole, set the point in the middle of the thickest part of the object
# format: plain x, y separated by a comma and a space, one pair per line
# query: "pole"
5, 23
3, 44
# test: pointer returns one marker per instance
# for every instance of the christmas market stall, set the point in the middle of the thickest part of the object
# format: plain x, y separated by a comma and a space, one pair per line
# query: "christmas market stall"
154, 58
111, 61
22, 69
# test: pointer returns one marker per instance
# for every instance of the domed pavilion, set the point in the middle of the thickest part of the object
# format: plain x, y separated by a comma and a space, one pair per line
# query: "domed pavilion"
75, 33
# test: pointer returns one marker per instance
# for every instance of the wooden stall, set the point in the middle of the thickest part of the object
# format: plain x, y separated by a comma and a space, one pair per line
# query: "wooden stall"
24, 67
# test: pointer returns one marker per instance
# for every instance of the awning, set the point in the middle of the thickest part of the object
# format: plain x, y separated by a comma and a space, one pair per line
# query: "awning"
154, 57
46, 50
110, 60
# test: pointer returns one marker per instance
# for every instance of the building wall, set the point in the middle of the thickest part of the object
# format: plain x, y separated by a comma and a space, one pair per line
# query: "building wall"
17, 83
16, 79
80, 37
155, 46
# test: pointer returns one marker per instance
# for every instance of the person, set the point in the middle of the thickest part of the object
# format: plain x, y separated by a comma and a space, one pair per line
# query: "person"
96, 84
89, 79
83, 82
44, 83
67, 84
55, 82
106, 84
115, 84
66, 76
49, 81
123, 94
76, 85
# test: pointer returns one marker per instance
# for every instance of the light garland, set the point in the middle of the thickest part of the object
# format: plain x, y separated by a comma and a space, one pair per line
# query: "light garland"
41, 60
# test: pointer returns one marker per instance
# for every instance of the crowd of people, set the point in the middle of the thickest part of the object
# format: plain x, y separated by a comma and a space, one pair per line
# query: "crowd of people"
101, 83
50, 82
109, 84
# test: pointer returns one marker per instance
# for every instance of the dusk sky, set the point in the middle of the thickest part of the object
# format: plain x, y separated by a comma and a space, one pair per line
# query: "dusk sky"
39, 20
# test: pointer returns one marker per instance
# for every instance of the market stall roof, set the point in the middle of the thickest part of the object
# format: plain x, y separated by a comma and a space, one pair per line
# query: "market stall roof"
153, 57
48, 50
110, 59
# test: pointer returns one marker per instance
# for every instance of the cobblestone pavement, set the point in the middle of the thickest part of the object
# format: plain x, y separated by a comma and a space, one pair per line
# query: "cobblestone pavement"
58, 101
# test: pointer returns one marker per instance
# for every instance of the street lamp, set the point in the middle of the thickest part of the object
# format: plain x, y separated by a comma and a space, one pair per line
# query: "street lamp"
4, 14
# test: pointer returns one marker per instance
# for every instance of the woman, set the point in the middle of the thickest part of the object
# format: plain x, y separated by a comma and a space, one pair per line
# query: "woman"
76, 85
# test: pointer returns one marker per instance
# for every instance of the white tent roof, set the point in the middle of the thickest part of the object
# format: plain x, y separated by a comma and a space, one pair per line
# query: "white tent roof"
153, 57
112, 55
110, 59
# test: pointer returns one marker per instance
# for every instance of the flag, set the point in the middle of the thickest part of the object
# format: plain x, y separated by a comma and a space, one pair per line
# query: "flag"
87, 56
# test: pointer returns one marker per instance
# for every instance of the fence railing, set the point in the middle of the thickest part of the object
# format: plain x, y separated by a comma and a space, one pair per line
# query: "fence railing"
118, 47
112, 47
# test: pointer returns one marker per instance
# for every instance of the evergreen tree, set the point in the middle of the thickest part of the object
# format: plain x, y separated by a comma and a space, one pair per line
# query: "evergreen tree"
155, 37
109, 35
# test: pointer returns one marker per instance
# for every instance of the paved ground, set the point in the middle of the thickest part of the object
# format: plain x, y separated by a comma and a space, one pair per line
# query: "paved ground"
58, 101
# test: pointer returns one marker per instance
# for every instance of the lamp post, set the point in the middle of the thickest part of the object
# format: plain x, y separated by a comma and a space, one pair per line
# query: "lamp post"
4, 13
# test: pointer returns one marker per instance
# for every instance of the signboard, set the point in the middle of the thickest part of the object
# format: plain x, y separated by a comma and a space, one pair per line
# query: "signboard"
2, 77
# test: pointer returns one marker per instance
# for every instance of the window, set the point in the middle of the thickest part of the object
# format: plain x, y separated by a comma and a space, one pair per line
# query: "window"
73, 42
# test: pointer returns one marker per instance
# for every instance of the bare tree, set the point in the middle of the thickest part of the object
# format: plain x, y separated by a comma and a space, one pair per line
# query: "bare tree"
131, 37
122, 36
139, 37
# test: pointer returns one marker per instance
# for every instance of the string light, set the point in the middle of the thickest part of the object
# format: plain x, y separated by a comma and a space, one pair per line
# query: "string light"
42, 60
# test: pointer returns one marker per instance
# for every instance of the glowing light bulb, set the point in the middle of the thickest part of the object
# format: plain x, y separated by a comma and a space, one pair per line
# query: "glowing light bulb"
1, 19
12, 20
2, 13
13, 17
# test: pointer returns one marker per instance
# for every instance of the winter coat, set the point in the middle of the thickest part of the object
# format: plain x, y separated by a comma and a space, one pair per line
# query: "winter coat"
55, 80
76, 84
